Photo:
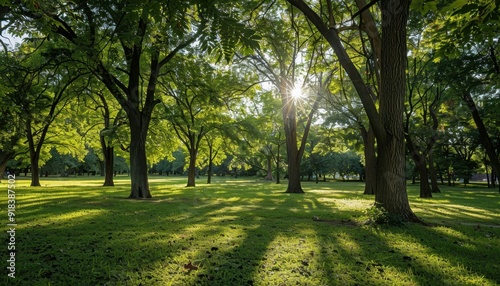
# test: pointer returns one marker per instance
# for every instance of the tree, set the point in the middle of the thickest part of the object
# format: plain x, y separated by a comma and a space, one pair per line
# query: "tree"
279, 61
421, 121
39, 82
387, 121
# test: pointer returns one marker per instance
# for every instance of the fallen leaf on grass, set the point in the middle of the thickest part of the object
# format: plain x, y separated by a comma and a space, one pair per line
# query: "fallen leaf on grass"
190, 266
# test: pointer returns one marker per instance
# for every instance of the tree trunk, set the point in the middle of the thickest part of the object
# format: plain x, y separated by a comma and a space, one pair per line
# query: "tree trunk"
210, 162
290, 122
493, 179
138, 160
34, 150
192, 169
433, 175
35, 170
370, 161
4, 159
294, 184
109, 155
487, 175
269, 176
391, 164
278, 165
425, 189
420, 166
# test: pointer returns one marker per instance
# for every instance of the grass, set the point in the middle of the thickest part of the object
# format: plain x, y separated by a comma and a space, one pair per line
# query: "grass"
246, 232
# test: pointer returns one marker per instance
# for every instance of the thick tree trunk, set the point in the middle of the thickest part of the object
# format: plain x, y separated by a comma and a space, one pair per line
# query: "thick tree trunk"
35, 170
391, 191
294, 184
138, 160
370, 161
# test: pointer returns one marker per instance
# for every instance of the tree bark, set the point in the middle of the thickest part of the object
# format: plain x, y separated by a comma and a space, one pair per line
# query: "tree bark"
210, 159
391, 191
138, 160
269, 175
109, 166
34, 150
370, 161
278, 166
192, 168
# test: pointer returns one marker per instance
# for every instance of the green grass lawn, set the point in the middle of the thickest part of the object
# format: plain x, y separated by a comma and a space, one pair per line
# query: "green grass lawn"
245, 231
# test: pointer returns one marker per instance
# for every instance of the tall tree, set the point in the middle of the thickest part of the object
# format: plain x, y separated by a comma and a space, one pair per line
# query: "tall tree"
279, 61
421, 119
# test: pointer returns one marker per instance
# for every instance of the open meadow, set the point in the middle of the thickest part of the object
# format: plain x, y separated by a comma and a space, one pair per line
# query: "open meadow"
72, 231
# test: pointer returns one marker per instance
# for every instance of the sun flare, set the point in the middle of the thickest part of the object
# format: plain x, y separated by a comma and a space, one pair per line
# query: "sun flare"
296, 93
